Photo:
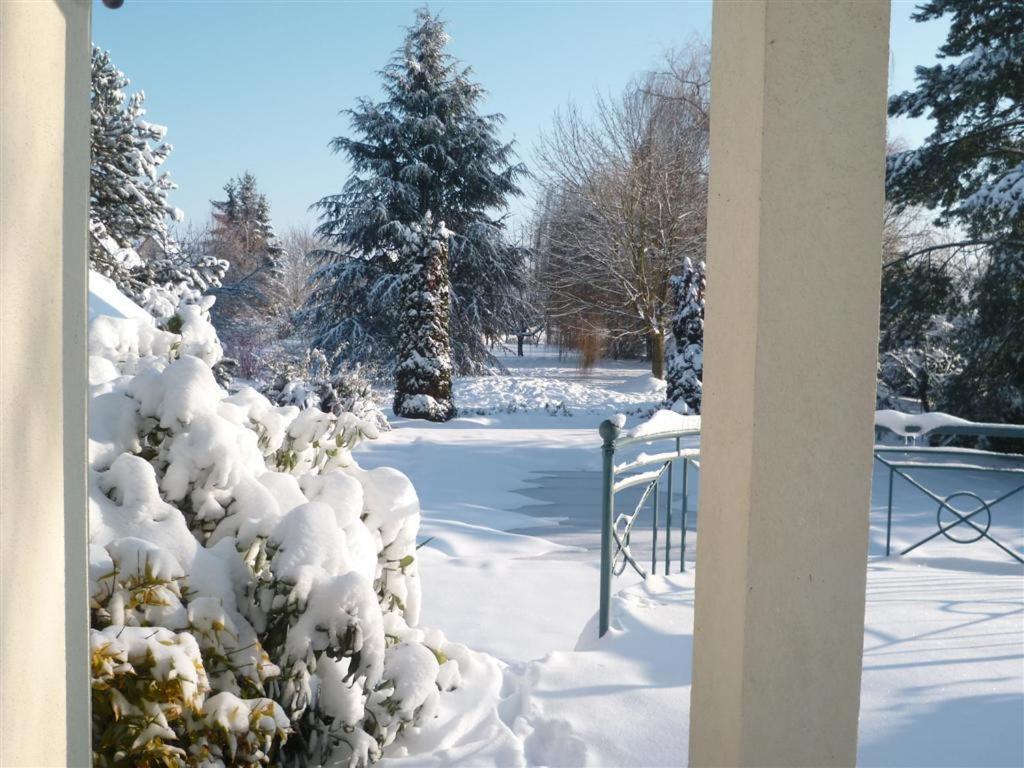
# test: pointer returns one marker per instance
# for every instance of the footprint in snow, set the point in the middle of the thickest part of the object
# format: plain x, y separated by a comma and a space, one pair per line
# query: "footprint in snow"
552, 744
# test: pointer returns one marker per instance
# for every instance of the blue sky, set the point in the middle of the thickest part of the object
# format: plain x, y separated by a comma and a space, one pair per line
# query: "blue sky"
258, 85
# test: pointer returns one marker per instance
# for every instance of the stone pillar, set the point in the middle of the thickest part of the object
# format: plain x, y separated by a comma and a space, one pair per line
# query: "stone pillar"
794, 252
44, 185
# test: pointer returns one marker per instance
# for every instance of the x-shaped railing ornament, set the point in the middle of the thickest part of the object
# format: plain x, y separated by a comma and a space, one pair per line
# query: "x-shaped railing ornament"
959, 517
623, 528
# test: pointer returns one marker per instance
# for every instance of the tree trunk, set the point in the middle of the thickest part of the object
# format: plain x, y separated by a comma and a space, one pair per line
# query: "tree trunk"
519, 345
656, 345
423, 374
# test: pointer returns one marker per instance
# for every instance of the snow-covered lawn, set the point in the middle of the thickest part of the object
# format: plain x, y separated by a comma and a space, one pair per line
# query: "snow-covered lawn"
510, 503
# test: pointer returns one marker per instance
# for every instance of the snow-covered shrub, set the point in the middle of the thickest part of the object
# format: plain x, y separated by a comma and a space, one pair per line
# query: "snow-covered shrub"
157, 286
313, 382
254, 592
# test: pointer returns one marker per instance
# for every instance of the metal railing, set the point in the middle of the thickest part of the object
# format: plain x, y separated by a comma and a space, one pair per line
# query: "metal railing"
917, 458
617, 529
648, 471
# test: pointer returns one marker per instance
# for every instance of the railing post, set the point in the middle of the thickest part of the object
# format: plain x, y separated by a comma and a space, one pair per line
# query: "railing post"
609, 433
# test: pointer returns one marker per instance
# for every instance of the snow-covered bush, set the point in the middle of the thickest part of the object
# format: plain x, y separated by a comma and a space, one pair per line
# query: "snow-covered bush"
253, 590
314, 382
159, 285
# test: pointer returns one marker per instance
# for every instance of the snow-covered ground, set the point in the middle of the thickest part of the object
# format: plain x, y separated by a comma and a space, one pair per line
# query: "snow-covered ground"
510, 502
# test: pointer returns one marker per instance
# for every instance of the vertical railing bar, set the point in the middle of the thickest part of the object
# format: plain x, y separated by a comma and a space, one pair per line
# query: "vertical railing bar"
654, 528
682, 542
888, 516
668, 519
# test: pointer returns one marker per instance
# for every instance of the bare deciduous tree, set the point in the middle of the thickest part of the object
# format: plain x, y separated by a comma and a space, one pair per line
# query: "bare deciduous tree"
624, 200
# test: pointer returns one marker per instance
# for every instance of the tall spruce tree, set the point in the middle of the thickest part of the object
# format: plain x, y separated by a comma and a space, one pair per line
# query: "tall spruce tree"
423, 375
971, 171
127, 190
244, 237
423, 149
242, 229
685, 370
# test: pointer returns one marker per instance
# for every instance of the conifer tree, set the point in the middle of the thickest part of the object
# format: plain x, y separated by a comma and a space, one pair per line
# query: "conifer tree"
685, 371
127, 190
423, 375
423, 149
971, 170
243, 233
244, 237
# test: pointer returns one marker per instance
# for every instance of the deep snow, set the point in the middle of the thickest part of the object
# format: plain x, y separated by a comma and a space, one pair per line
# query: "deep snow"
509, 494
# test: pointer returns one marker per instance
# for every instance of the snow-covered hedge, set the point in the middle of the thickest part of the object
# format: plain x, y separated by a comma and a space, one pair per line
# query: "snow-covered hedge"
254, 592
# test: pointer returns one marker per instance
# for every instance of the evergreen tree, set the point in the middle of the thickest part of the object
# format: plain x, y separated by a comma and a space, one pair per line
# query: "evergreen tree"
127, 191
242, 233
685, 372
423, 149
244, 237
423, 375
971, 170
920, 313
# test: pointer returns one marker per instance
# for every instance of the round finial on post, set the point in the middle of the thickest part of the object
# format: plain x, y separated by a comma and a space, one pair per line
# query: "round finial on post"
609, 431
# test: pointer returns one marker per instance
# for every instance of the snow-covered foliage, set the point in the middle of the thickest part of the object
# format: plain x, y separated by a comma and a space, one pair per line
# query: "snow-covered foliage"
314, 383
921, 369
423, 374
685, 370
970, 167
920, 323
254, 592
127, 189
971, 172
159, 285
423, 148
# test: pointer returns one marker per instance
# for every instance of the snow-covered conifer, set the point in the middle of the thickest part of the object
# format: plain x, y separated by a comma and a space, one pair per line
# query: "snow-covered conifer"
243, 233
685, 370
244, 237
423, 374
423, 148
127, 189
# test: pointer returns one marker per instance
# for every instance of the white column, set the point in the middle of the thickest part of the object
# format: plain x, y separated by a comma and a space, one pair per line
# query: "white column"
794, 251
44, 177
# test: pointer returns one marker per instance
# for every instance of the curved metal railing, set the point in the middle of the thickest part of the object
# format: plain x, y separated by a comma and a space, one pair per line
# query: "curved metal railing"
645, 471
